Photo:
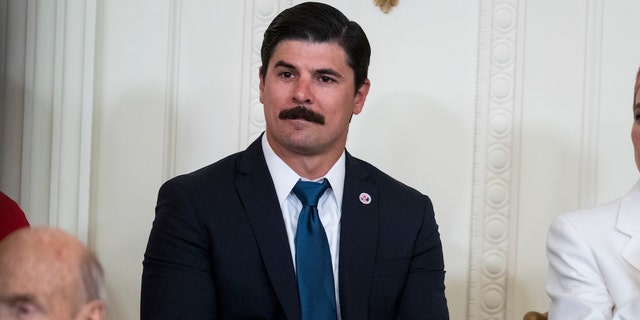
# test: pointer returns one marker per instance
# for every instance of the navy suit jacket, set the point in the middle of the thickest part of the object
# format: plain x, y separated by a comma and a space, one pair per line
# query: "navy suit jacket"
218, 248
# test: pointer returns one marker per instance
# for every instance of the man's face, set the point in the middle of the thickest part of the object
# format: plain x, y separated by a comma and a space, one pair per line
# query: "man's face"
32, 286
635, 129
316, 78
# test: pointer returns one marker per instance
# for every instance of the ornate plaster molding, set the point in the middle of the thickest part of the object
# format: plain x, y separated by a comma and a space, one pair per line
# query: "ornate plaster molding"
258, 15
497, 144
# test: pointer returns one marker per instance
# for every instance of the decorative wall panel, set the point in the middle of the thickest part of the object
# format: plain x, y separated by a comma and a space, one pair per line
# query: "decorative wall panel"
496, 175
258, 15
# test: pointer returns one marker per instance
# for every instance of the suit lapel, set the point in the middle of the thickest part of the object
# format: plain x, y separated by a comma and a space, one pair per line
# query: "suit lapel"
258, 196
629, 224
358, 240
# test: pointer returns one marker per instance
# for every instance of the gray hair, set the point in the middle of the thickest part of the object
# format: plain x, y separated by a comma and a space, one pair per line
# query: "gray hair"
93, 281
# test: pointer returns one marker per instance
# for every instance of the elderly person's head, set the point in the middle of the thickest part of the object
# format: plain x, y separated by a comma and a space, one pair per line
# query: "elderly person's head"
46, 273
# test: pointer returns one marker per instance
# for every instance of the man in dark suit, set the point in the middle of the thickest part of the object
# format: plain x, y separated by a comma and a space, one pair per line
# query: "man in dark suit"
226, 243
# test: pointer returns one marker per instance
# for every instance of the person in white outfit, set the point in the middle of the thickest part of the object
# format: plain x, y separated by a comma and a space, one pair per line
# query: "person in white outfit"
594, 254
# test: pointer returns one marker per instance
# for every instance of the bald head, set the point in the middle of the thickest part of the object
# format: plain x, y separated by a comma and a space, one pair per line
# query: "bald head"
48, 273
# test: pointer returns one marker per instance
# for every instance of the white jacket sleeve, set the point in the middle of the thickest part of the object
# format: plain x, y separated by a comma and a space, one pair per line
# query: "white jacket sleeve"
574, 281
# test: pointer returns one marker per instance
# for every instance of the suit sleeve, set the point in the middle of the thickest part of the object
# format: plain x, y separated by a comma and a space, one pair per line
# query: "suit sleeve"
574, 283
423, 296
176, 278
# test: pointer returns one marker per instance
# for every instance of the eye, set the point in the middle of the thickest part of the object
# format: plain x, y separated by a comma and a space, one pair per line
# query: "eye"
326, 79
25, 310
286, 74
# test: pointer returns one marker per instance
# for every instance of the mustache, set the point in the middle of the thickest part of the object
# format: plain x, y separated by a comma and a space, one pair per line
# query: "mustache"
302, 112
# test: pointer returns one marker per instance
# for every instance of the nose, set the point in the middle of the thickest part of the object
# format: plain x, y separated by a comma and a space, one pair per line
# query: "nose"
302, 92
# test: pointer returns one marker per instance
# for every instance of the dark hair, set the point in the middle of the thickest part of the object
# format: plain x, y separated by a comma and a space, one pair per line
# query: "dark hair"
318, 22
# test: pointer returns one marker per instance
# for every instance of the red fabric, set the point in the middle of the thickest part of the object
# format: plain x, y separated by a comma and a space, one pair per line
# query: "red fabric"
11, 216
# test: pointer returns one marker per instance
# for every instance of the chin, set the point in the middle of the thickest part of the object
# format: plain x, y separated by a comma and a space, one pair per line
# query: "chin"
302, 148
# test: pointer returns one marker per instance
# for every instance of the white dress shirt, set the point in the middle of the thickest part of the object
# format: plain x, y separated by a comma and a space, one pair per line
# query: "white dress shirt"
329, 209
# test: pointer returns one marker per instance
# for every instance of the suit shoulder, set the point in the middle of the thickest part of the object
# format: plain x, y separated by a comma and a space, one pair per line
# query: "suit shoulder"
597, 216
213, 174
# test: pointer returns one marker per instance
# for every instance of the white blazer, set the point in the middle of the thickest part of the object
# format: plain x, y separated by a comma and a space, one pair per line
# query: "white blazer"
594, 261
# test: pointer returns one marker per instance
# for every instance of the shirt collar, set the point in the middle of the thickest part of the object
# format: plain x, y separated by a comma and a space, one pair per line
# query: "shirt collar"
284, 178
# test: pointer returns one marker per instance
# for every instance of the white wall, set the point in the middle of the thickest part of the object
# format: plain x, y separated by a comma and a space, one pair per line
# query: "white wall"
506, 113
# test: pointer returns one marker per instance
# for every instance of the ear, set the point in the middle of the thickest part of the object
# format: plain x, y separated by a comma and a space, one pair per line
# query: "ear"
361, 96
93, 310
261, 85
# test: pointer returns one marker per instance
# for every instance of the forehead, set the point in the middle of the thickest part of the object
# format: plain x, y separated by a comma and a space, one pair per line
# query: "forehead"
37, 274
51, 293
49, 286
43, 268
309, 53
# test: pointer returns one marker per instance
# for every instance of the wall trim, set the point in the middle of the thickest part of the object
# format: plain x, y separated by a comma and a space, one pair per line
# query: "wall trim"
28, 122
58, 118
86, 120
588, 178
172, 90
495, 179
258, 14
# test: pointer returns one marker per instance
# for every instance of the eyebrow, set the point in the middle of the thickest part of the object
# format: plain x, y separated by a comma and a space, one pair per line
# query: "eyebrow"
21, 298
330, 72
283, 64
326, 71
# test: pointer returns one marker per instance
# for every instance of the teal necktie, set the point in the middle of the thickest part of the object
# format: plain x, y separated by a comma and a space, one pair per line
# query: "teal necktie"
313, 258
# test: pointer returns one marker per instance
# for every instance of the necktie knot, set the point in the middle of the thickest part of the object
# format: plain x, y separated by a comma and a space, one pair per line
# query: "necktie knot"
309, 192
